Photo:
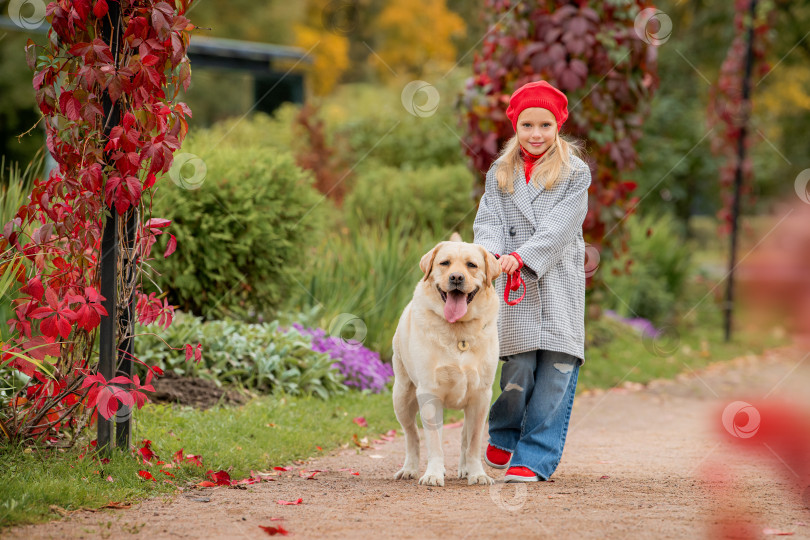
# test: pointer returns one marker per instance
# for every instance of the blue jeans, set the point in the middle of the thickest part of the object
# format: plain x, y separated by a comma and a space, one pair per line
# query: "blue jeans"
530, 417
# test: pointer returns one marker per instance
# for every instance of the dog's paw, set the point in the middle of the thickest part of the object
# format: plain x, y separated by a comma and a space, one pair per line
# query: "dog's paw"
432, 480
482, 479
462, 473
405, 474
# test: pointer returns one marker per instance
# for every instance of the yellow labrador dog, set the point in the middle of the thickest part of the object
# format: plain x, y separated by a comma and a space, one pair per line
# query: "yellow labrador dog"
445, 355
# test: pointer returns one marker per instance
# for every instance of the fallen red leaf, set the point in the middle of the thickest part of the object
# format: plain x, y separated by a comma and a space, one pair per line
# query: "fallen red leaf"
167, 473
146, 452
272, 531
603, 477
117, 505
194, 459
319, 448
299, 501
360, 421
282, 468
362, 443
206, 483
146, 475
355, 473
221, 478
246, 481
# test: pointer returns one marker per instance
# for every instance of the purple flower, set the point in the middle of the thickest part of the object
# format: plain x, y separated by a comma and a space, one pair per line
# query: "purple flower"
642, 325
360, 367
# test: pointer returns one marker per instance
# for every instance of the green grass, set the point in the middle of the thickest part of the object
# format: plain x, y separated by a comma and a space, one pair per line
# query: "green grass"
235, 439
241, 439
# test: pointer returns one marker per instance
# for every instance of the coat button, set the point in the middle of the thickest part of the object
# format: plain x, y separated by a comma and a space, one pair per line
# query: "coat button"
512, 231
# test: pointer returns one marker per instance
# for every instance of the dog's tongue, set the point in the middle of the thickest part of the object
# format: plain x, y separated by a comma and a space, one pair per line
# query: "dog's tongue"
455, 307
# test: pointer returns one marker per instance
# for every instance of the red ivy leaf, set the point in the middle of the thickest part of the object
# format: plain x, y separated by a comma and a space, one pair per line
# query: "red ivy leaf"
70, 106
100, 9
170, 246
149, 60
146, 475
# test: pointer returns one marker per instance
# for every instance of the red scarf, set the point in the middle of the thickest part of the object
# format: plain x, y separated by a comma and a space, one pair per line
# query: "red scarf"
529, 160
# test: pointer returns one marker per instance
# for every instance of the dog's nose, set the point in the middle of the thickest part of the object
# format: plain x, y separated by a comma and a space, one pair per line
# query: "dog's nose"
456, 278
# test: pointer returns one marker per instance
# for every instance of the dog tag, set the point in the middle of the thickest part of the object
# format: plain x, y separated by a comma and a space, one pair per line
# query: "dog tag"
463, 345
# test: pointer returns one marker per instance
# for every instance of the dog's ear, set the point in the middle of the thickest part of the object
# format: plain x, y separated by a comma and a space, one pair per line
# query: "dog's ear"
426, 263
491, 266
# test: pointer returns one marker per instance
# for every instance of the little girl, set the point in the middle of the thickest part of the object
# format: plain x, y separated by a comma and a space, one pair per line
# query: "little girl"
530, 216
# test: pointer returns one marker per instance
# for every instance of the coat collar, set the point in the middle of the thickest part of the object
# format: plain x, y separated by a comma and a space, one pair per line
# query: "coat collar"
525, 194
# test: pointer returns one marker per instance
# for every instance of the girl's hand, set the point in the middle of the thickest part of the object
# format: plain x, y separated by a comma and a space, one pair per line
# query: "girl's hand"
508, 264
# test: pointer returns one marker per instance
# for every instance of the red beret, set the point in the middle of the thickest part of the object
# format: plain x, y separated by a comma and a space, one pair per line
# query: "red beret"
538, 94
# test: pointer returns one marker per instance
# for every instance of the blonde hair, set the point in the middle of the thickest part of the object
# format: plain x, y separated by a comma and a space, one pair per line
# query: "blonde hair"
548, 170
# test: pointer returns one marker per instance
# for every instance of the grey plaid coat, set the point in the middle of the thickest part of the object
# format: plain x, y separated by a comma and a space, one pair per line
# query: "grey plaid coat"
545, 228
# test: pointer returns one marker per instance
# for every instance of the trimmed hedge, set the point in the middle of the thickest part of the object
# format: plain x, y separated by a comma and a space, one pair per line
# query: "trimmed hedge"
241, 231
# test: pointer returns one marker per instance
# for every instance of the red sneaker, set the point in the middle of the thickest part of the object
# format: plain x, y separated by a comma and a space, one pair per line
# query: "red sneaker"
519, 474
497, 458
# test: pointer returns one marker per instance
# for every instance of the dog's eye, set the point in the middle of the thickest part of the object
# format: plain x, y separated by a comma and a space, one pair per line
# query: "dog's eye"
472, 265
444, 263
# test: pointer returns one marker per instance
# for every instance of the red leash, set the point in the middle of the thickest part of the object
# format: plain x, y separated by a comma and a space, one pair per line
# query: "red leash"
513, 283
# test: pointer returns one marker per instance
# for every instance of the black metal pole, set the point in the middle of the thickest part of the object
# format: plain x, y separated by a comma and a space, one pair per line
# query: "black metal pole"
738, 176
127, 348
109, 245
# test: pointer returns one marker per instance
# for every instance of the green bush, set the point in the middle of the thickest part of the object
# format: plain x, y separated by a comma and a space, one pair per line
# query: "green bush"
259, 129
255, 356
437, 199
373, 120
661, 263
241, 234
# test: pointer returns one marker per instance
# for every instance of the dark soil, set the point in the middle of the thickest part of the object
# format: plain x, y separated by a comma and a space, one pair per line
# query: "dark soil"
200, 393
